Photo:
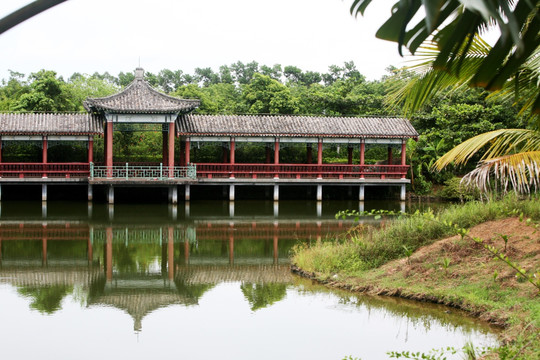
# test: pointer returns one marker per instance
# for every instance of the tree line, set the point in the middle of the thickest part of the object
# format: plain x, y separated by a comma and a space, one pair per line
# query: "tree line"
447, 120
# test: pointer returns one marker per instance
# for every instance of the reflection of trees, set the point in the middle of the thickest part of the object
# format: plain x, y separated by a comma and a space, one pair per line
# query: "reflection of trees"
260, 296
191, 291
134, 259
46, 299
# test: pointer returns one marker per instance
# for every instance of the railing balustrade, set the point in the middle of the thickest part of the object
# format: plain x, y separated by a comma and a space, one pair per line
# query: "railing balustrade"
150, 172
44, 170
301, 171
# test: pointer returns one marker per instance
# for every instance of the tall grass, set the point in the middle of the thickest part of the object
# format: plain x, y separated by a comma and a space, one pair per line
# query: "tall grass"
370, 248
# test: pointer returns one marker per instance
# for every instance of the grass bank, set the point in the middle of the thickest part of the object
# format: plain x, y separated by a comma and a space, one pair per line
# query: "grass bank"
420, 257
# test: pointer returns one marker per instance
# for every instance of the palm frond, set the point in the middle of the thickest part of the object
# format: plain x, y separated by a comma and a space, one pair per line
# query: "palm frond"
501, 143
519, 172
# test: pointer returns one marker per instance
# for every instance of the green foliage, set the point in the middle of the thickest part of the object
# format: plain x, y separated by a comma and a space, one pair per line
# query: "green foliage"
454, 190
46, 299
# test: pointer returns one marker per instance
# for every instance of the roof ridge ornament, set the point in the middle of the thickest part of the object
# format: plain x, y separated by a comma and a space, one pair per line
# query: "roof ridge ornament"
139, 73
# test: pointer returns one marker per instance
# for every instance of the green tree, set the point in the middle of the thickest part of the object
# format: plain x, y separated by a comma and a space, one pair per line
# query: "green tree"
47, 92
264, 95
260, 296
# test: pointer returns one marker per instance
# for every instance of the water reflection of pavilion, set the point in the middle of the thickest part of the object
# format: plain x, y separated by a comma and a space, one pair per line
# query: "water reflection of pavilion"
141, 268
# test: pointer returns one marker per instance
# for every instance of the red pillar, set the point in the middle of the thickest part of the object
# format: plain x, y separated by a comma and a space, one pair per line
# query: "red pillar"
319, 152
309, 154
0, 149
390, 160
90, 149
362, 157
109, 149
403, 153
232, 149
276, 152
170, 155
349, 155
276, 158
188, 151
44, 155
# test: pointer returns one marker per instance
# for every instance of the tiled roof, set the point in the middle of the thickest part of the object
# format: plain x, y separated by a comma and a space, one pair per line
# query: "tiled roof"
294, 126
49, 124
140, 98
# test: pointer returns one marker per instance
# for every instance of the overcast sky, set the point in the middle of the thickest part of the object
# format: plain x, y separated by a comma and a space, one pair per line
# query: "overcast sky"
111, 35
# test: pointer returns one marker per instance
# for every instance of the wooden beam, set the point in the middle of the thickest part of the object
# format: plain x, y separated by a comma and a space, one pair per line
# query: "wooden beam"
90, 149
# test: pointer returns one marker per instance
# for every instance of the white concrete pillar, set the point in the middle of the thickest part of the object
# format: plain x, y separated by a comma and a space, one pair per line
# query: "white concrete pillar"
361, 193
319, 209
231, 192
276, 209
231, 209
44, 192
402, 207
403, 193
110, 194
173, 194
276, 192
90, 193
361, 207
319, 192
187, 192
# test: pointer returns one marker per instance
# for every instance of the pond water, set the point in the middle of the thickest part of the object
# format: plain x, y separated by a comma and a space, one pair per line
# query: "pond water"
206, 280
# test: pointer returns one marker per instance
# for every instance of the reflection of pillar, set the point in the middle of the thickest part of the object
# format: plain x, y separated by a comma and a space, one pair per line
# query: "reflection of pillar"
44, 209
276, 237
110, 194
90, 249
319, 209
0, 250
90, 192
186, 251
276, 209
231, 193
44, 192
276, 192
231, 247
170, 253
231, 209
319, 231
108, 253
44, 246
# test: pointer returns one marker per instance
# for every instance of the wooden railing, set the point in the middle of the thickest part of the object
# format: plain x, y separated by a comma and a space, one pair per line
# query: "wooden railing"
301, 171
41, 170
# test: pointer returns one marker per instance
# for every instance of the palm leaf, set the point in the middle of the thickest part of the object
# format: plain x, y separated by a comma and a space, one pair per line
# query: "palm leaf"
520, 172
501, 142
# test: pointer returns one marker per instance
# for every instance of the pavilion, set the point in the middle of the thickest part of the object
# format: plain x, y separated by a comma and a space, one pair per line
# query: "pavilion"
140, 104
